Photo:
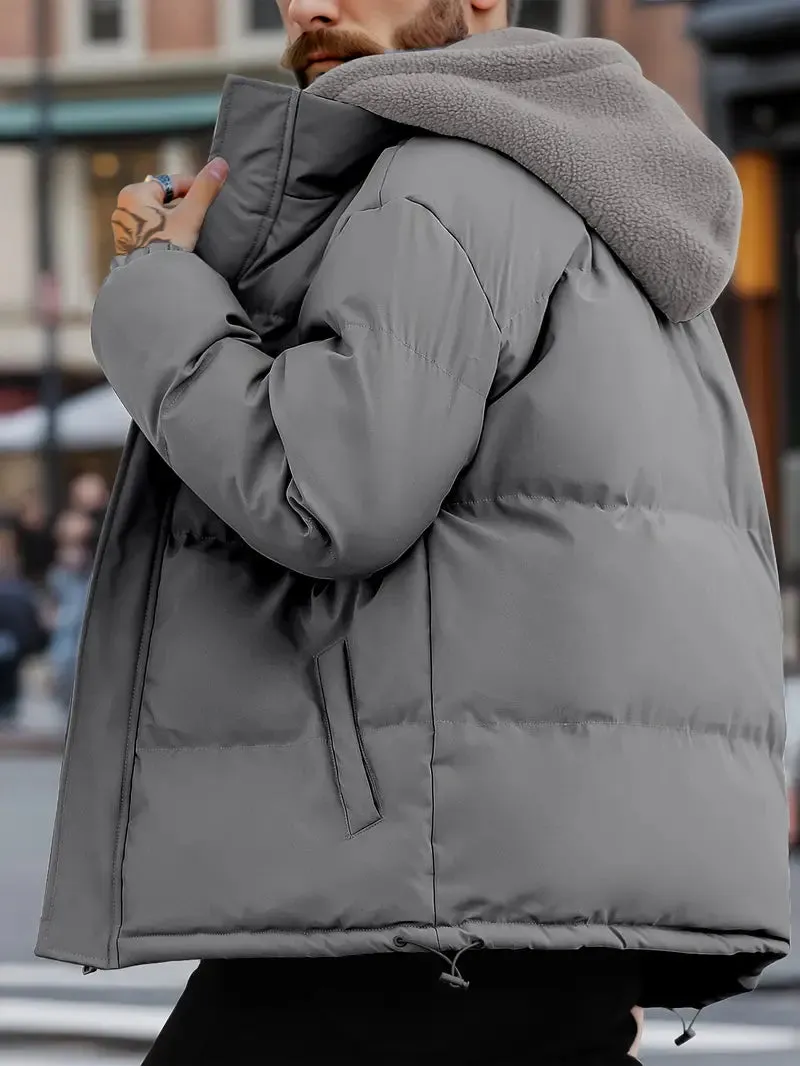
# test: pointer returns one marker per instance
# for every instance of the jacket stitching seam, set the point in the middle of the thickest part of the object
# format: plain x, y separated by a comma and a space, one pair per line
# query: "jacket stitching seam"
265, 226
424, 926
415, 351
370, 825
389, 162
464, 252
134, 710
528, 726
546, 295
532, 726
621, 505
155, 749
82, 958
432, 698
542, 298
264, 229
224, 118
202, 364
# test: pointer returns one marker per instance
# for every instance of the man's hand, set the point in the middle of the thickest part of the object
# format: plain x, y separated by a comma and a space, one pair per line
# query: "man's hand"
142, 217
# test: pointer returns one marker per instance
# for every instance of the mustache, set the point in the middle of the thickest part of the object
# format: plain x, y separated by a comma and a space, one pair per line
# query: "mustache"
334, 44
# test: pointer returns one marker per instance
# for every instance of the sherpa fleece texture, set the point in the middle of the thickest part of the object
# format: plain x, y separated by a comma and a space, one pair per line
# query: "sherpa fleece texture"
580, 115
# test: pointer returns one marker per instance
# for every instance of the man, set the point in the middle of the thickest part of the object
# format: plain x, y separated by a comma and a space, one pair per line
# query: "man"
88, 495
436, 614
21, 631
34, 537
67, 588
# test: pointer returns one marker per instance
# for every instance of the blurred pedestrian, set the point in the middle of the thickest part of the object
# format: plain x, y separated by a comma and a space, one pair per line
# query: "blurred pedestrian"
89, 495
432, 691
67, 587
34, 537
22, 633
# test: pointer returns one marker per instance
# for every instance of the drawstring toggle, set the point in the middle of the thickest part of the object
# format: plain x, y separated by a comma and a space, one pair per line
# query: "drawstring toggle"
452, 976
688, 1030
687, 1035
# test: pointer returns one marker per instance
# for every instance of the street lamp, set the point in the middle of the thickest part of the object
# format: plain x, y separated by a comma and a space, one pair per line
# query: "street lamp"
47, 294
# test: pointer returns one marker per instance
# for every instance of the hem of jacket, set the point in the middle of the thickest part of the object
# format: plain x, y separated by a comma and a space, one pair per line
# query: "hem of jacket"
136, 950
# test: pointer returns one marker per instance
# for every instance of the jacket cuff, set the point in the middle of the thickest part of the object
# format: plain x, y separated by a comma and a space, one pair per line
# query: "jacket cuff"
137, 253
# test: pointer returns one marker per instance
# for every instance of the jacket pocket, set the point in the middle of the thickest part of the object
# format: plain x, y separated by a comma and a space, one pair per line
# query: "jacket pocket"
351, 769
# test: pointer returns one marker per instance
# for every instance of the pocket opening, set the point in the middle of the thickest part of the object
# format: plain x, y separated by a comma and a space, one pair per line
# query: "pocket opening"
353, 776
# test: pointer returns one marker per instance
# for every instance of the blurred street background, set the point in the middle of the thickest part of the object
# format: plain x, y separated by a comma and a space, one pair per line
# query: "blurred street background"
95, 94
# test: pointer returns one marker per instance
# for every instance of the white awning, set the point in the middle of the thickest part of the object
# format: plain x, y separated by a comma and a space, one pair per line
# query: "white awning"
94, 419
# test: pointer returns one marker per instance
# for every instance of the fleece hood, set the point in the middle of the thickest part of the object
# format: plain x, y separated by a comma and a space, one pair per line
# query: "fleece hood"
581, 116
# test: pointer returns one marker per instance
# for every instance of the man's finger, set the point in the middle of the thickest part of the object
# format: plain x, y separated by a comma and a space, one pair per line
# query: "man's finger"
181, 183
205, 188
152, 192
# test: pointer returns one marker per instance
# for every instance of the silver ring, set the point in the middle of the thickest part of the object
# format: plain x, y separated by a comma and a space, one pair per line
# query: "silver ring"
165, 181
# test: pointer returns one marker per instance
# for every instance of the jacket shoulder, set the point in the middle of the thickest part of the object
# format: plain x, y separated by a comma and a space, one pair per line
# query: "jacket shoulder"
517, 232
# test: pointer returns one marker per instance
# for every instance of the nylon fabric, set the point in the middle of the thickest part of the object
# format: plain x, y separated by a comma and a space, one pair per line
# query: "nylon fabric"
437, 598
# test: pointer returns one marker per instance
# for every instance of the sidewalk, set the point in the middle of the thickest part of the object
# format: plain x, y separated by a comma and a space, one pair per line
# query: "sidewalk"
39, 729
786, 974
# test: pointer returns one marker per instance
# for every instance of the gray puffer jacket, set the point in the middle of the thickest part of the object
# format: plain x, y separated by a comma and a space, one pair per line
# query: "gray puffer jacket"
437, 601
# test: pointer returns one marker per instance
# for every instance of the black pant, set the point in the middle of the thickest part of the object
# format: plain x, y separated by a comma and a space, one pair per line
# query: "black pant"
537, 1008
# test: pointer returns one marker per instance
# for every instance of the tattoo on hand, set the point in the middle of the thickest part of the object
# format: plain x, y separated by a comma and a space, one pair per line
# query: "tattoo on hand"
133, 231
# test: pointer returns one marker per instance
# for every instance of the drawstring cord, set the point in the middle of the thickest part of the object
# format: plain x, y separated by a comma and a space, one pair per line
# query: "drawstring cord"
452, 975
688, 1030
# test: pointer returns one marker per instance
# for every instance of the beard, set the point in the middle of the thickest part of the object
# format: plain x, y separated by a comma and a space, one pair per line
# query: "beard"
440, 23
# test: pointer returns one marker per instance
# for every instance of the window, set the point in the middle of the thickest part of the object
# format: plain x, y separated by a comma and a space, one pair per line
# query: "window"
251, 29
567, 17
98, 32
262, 15
105, 21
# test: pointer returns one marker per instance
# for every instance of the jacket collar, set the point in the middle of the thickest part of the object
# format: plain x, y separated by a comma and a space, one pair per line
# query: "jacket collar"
294, 160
